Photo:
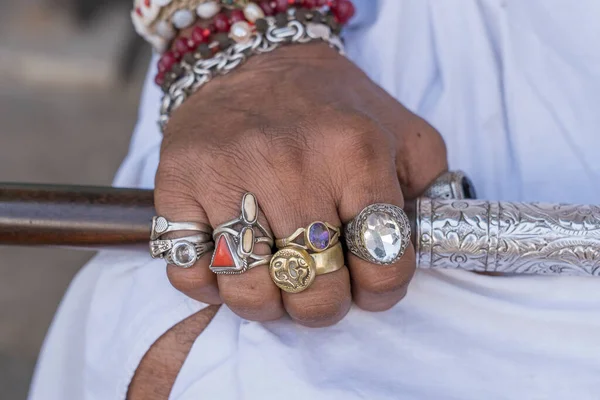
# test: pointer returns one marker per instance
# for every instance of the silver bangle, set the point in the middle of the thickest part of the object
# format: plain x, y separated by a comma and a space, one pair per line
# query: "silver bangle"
519, 238
204, 70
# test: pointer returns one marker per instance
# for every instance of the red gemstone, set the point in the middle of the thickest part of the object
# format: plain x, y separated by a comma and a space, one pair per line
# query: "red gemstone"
159, 79
166, 61
198, 37
221, 22
343, 11
281, 5
182, 46
223, 257
236, 16
267, 7
147, 3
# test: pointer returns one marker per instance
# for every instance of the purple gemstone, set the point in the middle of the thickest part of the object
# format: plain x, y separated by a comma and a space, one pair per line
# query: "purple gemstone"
318, 235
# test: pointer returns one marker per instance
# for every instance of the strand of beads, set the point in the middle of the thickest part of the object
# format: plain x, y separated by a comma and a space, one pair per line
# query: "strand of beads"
225, 25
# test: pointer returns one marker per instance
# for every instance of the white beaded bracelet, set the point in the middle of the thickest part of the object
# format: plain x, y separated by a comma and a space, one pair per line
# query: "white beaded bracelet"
158, 21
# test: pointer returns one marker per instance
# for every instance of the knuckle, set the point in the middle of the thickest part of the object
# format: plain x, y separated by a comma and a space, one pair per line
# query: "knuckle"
323, 307
360, 139
187, 283
250, 301
385, 283
319, 314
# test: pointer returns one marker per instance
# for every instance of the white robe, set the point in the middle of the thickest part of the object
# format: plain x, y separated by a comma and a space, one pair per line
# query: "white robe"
514, 87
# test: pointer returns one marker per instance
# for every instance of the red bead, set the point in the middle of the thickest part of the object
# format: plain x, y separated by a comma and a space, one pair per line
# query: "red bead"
267, 8
281, 5
182, 46
236, 16
343, 11
147, 3
159, 79
138, 11
166, 61
197, 36
221, 22
310, 4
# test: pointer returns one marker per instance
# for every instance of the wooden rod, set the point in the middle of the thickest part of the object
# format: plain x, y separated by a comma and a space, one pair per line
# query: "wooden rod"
79, 216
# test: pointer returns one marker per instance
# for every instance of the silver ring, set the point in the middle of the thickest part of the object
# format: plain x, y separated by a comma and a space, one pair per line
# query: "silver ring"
161, 226
379, 234
159, 247
451, 185
182, 252
235, 241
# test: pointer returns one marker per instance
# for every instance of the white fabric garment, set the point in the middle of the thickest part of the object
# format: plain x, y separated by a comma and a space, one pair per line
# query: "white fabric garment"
514, 87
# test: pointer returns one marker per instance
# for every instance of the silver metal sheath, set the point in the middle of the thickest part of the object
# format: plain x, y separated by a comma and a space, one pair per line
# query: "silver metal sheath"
520, 238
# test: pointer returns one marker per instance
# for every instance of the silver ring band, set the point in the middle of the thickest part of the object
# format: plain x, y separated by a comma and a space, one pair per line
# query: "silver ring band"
159, 247
182, 255
451, 185
161, 226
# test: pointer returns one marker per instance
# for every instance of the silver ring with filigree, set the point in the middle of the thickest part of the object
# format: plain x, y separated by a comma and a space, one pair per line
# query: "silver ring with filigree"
379, 234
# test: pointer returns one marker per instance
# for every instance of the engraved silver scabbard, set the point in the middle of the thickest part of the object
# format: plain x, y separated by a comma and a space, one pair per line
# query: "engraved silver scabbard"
521, 238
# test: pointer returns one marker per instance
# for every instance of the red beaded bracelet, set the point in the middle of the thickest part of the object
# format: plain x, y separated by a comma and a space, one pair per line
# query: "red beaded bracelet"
238, 25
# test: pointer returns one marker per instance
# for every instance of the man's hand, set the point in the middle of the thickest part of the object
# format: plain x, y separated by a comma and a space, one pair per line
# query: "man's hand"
315, 140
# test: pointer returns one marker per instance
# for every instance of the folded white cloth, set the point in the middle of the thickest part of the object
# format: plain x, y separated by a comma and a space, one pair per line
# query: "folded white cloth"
514, 87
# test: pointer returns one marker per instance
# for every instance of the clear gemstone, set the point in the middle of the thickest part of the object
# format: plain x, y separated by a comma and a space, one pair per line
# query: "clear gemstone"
382, 237
184, 254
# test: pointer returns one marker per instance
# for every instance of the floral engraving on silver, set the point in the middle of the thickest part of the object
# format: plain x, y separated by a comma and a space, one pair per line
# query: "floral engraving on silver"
162, 226
182, 252
451, 185
534, 238
380, 234
235, 241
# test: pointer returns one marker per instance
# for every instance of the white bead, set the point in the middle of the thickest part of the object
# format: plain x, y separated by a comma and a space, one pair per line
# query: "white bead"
182, 19
252, 12
240, 31
165, 30
162, 3
208, 10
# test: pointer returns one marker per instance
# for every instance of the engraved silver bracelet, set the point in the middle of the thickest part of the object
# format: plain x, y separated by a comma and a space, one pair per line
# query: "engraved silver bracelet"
204, 70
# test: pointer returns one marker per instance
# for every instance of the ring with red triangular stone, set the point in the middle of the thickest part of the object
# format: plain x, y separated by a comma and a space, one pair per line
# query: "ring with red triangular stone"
235, 241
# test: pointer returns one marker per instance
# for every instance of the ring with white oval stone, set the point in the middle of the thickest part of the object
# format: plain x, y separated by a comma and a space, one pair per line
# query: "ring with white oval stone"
162, 226
235, 241
182, 252
379, 234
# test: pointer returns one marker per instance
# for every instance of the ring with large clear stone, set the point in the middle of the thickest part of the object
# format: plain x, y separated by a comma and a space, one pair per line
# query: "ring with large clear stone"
379, 234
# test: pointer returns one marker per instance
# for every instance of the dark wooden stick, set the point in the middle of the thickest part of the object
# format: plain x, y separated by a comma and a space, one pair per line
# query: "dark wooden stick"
80, 216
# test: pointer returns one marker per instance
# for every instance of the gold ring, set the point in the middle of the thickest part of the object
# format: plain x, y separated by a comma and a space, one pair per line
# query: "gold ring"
318, 237
293, 269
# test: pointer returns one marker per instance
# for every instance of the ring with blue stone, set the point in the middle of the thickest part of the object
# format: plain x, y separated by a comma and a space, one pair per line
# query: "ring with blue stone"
379, 234
317, 237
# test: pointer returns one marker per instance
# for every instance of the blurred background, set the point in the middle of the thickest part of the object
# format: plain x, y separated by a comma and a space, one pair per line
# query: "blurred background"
70, 76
